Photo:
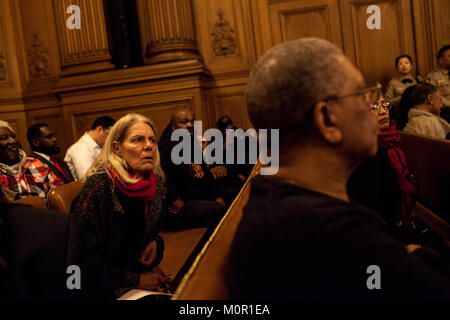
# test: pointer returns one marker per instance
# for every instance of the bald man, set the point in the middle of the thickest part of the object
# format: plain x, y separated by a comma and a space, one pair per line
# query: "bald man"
194, 196
300, 236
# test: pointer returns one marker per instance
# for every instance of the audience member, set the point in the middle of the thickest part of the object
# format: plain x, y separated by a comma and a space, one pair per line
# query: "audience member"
19, 178
121, 207
400, 112
83, 153
45, 147
318, 100
440, 78
383, 182
231, 176
424, 117
397, 86
195, 198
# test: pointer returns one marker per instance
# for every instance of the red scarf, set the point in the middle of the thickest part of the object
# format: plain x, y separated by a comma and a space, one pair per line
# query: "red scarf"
144, 190
389, 139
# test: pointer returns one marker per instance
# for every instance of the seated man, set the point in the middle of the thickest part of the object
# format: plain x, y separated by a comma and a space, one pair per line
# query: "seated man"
45, 147
19, 178
440, 78
194, 196
300, 237
424, 117
82, 154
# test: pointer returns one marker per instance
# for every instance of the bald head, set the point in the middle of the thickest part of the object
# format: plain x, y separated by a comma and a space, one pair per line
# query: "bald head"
183, 118
288, 81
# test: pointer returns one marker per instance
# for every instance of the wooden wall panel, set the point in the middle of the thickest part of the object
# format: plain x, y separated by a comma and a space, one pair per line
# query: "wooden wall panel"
11, 46
41, 45
224, 33
228, 102
374, 51
300, 18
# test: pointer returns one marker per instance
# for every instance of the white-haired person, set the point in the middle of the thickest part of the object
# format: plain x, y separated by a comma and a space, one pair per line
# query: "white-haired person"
121, 207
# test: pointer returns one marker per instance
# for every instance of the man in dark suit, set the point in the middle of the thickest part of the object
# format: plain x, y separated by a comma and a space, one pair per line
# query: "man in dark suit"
45, 148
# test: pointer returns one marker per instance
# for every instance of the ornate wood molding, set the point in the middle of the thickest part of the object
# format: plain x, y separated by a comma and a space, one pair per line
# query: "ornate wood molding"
167, 30
38, 61
84, 50
224, 41
2, 67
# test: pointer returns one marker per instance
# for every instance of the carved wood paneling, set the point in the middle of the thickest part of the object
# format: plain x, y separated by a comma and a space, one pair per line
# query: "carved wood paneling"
4, 75
86, 49
299, 19
225, 35
374, 51
167, 30
229, 102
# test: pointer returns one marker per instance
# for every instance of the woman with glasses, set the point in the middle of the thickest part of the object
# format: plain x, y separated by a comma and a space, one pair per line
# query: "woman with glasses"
398, 85
383, 182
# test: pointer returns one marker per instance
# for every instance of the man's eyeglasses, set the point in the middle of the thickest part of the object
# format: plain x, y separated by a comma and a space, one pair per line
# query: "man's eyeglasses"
375, 108
371, 94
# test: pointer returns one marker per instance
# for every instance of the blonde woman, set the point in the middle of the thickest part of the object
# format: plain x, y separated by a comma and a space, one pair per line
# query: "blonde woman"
121, 206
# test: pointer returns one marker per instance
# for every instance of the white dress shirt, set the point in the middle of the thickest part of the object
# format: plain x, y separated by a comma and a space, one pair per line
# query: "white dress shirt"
81, 155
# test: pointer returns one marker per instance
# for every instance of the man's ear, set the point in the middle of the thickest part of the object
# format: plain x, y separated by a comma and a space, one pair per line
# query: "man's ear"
116, 148
35, 143
430, 98
325, 121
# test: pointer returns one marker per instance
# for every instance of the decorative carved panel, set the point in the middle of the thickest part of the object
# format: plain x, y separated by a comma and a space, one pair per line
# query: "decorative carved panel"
3, 63
225, 35
224, 39
38, 59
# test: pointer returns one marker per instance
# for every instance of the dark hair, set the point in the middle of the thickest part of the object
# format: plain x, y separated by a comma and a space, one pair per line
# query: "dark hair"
403, 108
442, 50
34, 132
403, 56
224, 122
105, 122
421, 92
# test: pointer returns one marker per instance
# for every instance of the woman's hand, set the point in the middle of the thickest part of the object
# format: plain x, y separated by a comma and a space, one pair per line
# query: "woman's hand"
176, 206
221, 201
153, 281
149, 254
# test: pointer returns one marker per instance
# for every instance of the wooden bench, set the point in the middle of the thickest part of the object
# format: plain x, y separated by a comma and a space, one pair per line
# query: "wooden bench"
429, 160
206, 279
34, 201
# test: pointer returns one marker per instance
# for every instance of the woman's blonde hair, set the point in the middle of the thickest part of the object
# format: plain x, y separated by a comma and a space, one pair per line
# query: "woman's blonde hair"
108, 157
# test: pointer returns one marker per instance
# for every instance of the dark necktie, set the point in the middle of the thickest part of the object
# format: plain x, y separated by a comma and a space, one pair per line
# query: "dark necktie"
55, 161
405, 81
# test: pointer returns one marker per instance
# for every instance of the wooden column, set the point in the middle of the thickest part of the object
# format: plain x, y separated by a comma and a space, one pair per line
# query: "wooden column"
167, 30
82, 50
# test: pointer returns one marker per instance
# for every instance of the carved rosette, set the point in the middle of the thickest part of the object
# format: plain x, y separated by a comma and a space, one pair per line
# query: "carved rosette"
38, 59
2, 67
223, 42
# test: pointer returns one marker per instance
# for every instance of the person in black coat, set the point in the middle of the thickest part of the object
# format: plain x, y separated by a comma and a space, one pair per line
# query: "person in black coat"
195, 198
301, 237
121, 207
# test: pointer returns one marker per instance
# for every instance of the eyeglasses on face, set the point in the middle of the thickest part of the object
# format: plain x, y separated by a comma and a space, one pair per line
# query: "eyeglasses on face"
376, 107
371, 94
